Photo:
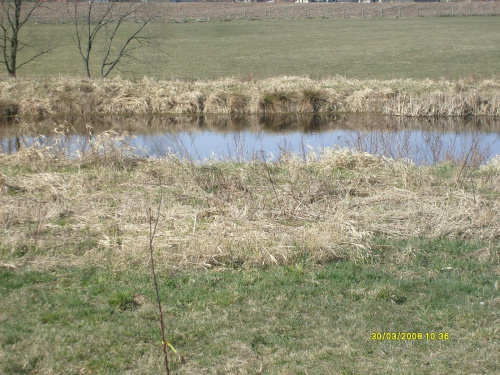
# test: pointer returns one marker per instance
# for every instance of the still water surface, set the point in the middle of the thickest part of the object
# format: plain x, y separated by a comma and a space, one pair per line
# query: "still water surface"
425, 141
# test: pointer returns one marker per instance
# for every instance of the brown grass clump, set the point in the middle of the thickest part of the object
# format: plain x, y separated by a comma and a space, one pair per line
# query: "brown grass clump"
9, 108
328, 207
315, 101
346, 159
270, 96
493, 165
470, 103
278, 102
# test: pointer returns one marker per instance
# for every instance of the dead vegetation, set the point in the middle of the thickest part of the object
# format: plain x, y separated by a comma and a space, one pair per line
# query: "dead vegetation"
431, 98
8, 108
326, 207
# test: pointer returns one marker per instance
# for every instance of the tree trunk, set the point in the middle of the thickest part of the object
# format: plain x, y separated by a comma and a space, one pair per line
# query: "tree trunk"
14, 42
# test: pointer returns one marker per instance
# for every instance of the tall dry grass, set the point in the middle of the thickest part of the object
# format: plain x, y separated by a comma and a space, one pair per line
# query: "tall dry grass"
327, 206
40, 98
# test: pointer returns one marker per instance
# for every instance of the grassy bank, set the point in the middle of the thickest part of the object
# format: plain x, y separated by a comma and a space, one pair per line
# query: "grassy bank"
44, 97
284, 267
417, 48
324, 206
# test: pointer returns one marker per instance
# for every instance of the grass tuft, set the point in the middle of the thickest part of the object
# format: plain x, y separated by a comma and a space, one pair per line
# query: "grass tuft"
315, 100
492, 165
9, 108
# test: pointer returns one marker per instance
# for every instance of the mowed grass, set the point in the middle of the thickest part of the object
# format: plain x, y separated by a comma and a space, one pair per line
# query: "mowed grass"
297, 319
452, 48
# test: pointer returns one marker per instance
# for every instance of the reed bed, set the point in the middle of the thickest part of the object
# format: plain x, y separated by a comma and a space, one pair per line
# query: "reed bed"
328, 206
431, 98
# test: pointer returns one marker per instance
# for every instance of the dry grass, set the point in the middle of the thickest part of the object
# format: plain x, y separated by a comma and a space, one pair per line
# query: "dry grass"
492, 165
274, 95
8, 108
327, 207
389, 238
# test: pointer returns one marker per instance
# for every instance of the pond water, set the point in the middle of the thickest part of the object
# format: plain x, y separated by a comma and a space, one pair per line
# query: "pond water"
425, 141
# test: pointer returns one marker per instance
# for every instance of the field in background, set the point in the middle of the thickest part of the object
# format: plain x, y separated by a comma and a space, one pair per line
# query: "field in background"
223, 11
373, 48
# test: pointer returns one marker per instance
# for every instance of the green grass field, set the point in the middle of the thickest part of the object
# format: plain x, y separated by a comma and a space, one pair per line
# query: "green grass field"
452, 48
299, 319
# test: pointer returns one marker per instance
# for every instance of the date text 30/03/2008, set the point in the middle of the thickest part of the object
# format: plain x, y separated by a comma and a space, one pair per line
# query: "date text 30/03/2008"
404, 336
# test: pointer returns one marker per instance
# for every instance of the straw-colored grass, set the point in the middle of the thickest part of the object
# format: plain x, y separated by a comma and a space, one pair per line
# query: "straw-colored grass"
492, 165
274, 95
8, 108
326, 207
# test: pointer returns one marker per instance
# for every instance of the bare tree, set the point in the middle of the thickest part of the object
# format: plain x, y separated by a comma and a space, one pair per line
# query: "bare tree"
98, 26
15, 15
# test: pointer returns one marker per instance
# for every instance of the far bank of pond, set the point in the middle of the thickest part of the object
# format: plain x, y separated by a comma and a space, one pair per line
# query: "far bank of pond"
400, 97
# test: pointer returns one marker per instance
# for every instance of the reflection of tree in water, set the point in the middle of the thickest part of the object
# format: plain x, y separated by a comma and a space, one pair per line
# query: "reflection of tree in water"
281, 124
11, 145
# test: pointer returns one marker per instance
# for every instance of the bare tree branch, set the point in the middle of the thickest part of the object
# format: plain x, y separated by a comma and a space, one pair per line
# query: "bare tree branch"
97, 26
15, 15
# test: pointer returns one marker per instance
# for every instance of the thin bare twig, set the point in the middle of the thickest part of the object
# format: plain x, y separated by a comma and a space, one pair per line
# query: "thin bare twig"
153, 224
275, 186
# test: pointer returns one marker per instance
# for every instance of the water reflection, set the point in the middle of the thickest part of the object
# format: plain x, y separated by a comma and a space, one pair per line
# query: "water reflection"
425, 141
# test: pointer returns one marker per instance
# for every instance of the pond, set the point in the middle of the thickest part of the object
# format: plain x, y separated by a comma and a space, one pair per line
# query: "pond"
425, 141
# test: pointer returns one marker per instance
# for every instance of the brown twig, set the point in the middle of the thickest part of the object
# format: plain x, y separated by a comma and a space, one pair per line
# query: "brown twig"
41, 220
152, 232
276, 186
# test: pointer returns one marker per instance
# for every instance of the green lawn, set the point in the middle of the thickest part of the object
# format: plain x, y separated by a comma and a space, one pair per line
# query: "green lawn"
299, 319
364, 48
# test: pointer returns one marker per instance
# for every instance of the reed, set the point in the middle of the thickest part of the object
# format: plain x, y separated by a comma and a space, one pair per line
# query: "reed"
429, 98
